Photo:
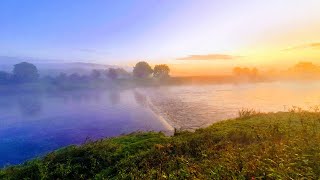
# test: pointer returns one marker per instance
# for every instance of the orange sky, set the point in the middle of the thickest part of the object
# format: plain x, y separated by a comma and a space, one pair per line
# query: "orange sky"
195, 37
266, 35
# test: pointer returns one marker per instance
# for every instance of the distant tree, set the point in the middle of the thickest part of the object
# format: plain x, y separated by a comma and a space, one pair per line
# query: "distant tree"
254, 73
112, 73
123, 73
62, 77
245, 73
306, 67
95, 74
49, 79
74, 77
161, 71
237, 71
142, 70
25, 72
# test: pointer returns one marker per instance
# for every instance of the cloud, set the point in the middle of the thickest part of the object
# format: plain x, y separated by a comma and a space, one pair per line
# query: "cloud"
305, 46
209, 57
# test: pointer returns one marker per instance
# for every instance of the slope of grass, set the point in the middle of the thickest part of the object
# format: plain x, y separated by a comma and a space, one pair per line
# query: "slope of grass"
262, 146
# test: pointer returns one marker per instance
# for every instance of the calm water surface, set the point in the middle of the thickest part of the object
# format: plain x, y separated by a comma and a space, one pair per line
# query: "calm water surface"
34, 124
191, 107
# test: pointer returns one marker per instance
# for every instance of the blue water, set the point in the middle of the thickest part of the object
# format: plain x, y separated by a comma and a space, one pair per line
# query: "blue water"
34, 124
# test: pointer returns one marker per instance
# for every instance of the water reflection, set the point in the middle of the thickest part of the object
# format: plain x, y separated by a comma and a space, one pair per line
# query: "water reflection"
191, 107
30, 104
141, 99
36, 123
114, 97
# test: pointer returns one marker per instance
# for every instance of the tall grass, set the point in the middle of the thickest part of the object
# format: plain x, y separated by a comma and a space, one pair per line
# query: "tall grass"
246, 113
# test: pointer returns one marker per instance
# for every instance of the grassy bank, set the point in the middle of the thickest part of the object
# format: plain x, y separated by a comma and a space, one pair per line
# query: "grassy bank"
276, 145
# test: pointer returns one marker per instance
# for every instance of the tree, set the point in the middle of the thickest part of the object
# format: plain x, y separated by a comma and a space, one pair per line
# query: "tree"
95, 74
74, 77
161, 71
254, 73
142, 70
246, 73
25, 72
112, 73
237, 71
62, 77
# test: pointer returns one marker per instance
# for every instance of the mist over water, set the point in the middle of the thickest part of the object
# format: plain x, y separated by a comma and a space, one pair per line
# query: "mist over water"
194, 106
33, 124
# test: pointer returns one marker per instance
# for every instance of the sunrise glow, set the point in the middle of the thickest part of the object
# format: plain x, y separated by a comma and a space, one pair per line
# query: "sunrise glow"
266, 34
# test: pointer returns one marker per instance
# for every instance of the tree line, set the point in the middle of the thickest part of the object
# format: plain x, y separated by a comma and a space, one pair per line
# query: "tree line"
143, 70
26, 73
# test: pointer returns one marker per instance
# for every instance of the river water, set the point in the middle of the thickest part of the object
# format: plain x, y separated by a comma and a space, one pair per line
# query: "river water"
33, 124
36, 123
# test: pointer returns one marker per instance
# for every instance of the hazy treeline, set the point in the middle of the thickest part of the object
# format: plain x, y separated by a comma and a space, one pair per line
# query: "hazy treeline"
245, 73
27, 73
300, 71
144, 74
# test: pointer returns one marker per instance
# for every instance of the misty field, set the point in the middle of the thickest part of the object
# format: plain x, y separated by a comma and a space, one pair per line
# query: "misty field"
282, 145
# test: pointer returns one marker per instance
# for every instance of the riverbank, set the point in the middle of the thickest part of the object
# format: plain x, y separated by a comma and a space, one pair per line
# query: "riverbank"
280, 145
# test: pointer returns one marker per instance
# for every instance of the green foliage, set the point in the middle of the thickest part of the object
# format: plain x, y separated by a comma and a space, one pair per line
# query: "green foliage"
112, 73
246, 113
282, 145
142, 70
161, 71
95, 74
25, 72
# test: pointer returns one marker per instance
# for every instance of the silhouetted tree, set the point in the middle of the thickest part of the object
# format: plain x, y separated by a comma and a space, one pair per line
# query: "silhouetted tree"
62, 77
95, 74
25, 72
122, 73
306, 67
142, 70
75, 77
5, 77
49, 79
237, 71
254, 73
245, 73
112, 73
161, 71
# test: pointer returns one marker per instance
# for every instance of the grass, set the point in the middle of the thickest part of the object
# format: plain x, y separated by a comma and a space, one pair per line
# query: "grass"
284, 145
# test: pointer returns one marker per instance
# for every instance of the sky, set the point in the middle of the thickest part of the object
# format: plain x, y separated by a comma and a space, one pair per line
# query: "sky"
192, 36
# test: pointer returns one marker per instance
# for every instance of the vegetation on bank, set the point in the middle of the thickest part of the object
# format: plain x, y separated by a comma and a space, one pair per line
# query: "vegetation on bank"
284, 145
